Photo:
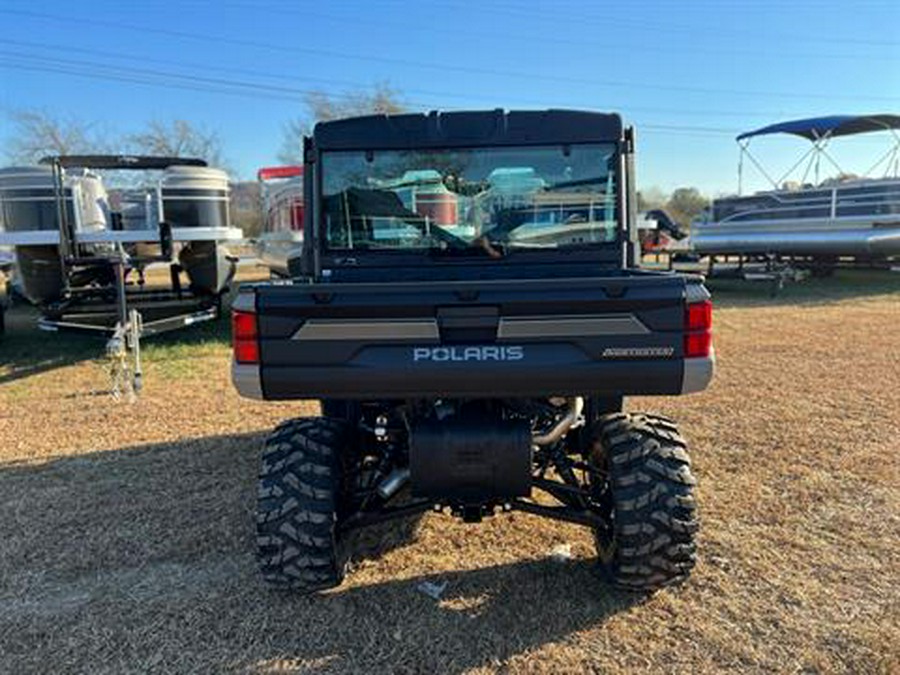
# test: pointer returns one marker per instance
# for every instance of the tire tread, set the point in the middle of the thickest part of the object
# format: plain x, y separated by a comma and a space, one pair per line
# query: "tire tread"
655, 519
297, 502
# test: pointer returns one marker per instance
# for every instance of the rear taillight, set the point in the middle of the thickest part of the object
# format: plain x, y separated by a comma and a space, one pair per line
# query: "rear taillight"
244, 337
698, 329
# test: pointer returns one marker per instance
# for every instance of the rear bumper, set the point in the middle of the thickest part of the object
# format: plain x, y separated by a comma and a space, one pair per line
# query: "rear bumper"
247, 380
698, 373
487, 380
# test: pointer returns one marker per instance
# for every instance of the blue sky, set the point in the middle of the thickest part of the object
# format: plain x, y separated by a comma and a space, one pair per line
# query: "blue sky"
689, 75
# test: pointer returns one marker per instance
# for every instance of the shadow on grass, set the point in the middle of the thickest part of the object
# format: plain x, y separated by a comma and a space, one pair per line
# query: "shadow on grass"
484, 618
844, 285
25, 350
152, 547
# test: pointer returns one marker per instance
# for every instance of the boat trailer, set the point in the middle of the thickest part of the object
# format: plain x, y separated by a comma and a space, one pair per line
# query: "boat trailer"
110, 305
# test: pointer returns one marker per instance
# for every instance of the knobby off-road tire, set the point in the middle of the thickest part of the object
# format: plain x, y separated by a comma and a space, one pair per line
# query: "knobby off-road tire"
298, 503
372, 541
300, 508
648, 492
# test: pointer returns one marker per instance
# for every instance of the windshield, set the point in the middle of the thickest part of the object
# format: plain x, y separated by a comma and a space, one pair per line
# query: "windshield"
487, 199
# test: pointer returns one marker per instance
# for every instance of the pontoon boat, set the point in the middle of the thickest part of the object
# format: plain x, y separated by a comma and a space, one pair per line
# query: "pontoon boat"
73, 238
281, 188
813, 218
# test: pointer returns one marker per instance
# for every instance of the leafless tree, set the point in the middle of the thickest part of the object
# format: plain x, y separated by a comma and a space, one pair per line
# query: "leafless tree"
38, 133
178, 138
322, 107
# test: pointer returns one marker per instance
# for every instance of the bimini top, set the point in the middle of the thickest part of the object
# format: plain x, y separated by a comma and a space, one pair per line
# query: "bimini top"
136, 162
468, 129
815, 128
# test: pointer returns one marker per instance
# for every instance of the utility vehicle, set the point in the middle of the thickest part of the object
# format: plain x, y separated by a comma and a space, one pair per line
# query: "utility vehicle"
468, 308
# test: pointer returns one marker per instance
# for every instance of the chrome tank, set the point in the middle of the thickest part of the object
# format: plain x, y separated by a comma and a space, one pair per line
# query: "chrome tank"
861, 238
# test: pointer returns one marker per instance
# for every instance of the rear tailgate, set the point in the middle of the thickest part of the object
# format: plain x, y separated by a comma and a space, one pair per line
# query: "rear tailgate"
615, 335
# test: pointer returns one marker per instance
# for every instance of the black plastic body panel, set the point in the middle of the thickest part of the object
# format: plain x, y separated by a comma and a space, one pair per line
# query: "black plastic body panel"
468, 128
611, 335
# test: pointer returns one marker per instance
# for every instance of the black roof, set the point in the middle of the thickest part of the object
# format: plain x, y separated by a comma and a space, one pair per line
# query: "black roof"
121, 161
468, 129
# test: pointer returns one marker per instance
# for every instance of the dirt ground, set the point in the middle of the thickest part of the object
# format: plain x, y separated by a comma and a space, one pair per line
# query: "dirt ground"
126, 542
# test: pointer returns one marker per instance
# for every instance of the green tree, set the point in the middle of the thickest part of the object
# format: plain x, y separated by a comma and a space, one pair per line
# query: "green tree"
685, 204
651, 198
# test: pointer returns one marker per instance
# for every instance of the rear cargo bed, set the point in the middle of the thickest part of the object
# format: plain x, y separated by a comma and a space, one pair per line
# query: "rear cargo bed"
621, 334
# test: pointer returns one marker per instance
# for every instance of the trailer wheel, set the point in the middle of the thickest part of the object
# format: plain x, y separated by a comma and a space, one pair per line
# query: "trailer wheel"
297, 508
644, 485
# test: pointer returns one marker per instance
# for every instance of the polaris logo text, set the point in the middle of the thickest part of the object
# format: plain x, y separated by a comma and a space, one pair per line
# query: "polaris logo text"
448, 354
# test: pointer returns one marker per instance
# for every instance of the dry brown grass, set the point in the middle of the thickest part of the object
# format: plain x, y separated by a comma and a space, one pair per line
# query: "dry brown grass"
126, 537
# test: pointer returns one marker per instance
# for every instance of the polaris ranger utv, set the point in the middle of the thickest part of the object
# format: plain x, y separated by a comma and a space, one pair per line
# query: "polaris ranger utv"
469, 310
